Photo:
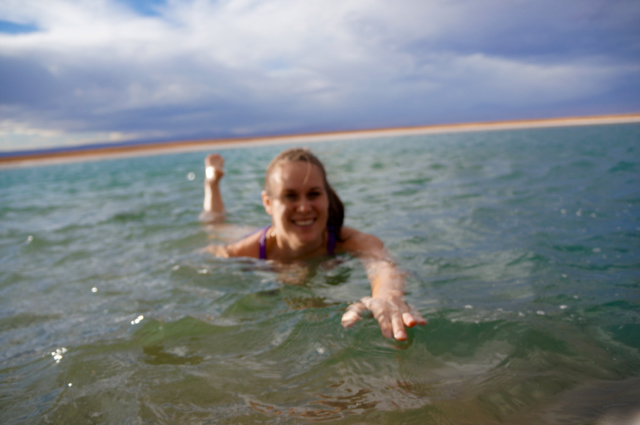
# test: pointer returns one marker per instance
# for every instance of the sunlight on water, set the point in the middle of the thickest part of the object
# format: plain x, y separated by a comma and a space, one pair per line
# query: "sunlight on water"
57, 355
521, 250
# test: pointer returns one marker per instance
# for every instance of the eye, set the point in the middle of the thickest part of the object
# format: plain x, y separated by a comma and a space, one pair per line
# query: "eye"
314, 194
290, 196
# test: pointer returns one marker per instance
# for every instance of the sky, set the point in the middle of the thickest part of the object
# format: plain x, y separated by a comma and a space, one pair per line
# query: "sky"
94, 71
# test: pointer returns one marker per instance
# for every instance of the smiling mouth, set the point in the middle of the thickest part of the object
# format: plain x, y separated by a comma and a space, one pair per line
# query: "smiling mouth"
303, 223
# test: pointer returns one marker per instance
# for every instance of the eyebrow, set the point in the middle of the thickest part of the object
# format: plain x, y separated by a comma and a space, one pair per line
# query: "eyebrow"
311, 189
294, 189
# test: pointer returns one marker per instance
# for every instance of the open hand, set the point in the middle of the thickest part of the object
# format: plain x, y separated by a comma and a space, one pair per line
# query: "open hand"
393, 314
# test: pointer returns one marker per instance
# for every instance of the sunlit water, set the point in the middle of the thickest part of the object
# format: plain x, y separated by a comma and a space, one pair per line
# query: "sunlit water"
521, 249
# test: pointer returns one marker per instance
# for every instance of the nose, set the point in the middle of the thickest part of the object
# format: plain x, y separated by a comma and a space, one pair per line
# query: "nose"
304, 204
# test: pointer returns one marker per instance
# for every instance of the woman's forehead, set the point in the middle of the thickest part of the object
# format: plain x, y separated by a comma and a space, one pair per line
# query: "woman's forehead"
299, 173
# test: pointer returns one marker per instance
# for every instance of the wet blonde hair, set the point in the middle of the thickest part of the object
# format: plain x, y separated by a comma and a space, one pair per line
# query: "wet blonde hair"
336, 207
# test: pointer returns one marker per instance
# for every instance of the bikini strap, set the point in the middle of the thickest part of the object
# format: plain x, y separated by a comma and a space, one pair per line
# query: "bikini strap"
262, 243
331, 240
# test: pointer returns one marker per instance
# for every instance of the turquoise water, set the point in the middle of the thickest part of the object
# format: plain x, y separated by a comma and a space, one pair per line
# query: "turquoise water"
521, 247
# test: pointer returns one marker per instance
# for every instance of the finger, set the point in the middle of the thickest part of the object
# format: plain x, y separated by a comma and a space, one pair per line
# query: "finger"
367, 302
358, 307
385, 326
384, 321
417, 317
353, 314
350, 318
409, 320
381, 312
398, 327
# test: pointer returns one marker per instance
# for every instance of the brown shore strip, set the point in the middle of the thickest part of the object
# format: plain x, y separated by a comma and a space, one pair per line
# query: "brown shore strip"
104, 152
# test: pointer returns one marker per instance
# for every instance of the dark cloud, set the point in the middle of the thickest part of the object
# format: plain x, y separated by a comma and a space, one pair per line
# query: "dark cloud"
26, 82
542, 30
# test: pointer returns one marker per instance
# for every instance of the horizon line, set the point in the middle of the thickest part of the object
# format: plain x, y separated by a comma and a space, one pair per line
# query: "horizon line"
106, 150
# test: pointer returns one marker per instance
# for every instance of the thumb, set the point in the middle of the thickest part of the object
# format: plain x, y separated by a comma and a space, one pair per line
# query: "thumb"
353, 314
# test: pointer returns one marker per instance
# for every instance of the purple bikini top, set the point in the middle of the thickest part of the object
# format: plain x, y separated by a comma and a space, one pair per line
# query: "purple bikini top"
331, 241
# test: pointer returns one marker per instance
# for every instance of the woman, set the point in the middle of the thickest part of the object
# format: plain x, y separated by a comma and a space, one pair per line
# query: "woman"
307, 217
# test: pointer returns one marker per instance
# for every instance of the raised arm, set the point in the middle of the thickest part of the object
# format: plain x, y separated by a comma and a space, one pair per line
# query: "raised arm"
213, 206
387, 289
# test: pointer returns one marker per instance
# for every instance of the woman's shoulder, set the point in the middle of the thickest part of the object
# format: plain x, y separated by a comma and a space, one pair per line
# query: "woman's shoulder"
249, 246
352, 240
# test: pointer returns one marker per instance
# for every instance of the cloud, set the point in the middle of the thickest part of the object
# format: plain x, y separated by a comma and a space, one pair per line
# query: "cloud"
17, 134
156, 69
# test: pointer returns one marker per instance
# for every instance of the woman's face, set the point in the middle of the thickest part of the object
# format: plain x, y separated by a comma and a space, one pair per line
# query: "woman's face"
297, 202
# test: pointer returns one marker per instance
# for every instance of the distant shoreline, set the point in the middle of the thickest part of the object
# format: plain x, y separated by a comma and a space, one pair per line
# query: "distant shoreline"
86, 153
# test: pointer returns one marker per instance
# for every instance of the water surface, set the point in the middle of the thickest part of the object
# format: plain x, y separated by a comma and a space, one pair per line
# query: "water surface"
521, 249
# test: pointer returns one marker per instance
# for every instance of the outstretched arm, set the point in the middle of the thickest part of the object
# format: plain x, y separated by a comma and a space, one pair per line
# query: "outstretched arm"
387, 291
213, 206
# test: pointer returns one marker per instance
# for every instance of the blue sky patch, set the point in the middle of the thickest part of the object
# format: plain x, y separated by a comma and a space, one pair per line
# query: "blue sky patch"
145, 7
9, 27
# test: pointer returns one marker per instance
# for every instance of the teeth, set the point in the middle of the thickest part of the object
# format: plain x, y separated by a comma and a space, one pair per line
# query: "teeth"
304, 222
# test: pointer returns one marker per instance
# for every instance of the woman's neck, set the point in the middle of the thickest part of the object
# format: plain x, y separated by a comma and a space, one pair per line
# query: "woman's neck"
283, 250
